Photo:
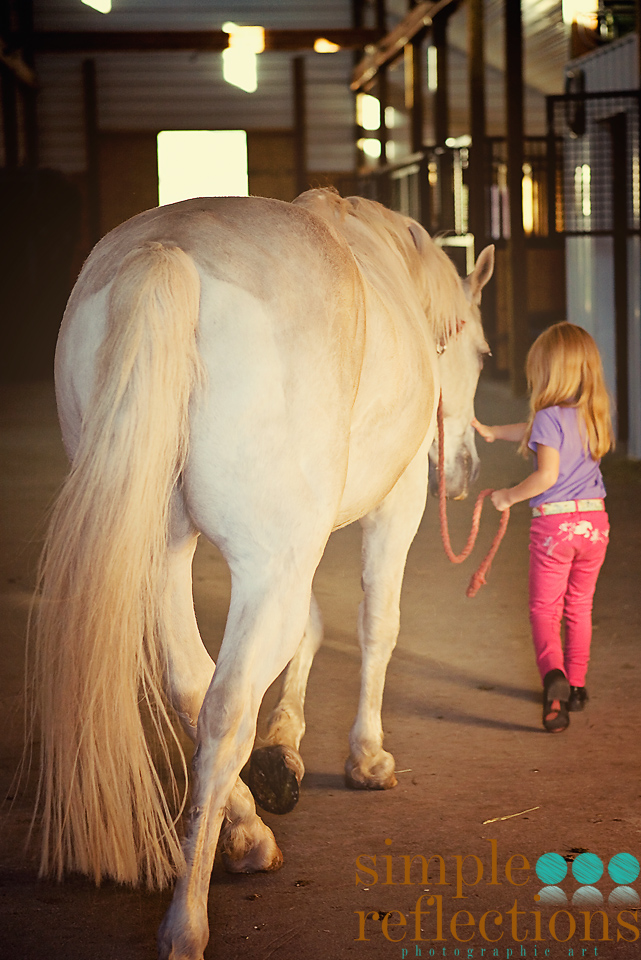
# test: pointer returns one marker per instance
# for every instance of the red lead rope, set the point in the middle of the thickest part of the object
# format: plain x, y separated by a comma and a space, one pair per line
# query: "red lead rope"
478, 579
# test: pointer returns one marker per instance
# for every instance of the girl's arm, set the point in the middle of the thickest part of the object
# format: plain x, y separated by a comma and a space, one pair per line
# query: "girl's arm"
545, 475
506, 431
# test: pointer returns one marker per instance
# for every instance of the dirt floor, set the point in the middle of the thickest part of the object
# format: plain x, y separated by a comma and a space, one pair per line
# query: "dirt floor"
480, 783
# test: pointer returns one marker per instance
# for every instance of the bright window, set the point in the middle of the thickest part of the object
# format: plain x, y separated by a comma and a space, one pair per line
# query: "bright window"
368, 111
201, 163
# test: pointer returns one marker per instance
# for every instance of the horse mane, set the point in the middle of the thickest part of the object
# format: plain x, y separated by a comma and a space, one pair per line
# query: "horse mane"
391, 242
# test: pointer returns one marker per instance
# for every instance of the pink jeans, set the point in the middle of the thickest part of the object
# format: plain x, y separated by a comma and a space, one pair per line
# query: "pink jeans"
566, 554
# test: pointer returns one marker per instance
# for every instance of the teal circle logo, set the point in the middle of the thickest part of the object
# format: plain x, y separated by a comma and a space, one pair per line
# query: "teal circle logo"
623, 868
551, 868
587, 868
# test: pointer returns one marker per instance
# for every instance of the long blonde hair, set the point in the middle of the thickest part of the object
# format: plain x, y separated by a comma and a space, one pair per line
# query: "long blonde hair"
564, 369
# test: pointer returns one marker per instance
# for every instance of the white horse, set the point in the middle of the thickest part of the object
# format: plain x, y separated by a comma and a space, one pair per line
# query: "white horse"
263, 373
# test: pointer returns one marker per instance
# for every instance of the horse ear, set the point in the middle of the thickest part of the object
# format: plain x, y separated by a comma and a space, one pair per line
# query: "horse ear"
419, 235
481, 274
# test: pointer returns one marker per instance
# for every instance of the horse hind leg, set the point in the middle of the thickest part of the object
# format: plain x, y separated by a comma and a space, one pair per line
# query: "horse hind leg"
247, 844
388, 532
266, 620
276, 769
189, 667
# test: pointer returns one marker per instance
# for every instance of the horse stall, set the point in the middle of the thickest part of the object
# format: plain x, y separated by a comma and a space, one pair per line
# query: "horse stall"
599, 122
247, 389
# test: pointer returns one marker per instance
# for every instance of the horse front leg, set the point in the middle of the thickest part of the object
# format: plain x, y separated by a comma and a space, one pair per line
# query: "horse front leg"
263, 631
276, 769
388, 532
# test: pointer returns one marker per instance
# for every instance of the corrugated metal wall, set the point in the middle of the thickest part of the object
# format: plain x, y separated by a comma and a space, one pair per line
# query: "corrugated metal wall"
183, 91
612, 67
330, 112
167, 90
534, 100
191, 14
60, 113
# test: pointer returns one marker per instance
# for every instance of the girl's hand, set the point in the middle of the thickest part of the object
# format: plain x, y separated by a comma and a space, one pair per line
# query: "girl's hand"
501, 499
486, 432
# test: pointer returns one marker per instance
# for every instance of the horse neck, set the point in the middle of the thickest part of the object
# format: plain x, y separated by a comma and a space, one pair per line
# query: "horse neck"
383, 269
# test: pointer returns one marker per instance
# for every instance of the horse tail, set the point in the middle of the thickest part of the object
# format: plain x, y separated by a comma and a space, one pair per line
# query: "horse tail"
99, 653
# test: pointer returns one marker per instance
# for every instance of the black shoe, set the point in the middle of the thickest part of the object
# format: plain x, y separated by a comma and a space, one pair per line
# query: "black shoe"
556, 693
578, 699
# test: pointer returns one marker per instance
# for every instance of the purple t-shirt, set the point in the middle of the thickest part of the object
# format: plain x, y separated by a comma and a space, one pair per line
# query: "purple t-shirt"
579, 475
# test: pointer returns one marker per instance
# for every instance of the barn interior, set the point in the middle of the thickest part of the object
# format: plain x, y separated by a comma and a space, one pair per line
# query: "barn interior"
510, 122
441, 110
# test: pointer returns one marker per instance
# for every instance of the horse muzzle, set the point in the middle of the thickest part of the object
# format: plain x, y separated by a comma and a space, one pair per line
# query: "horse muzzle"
459, 476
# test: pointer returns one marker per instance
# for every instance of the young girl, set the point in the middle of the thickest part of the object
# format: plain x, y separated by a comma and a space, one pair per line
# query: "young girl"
569, 430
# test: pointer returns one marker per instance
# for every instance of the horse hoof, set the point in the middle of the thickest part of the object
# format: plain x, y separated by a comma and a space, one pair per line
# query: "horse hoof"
256, 861
248, 846
378, 777
274, 776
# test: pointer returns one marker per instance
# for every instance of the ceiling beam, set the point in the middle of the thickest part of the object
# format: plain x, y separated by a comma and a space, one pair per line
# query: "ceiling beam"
389, 47
205, 41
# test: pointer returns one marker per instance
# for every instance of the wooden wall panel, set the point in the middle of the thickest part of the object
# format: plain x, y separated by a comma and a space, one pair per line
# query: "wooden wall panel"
270, 164
128, 164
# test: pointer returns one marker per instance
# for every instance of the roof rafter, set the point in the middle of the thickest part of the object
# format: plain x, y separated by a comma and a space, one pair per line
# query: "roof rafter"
123, 41
387, 48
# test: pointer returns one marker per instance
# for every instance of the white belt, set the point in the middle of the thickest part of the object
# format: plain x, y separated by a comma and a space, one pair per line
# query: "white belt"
567, 506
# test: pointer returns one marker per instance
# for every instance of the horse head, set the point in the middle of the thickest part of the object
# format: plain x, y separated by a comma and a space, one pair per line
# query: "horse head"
460, 362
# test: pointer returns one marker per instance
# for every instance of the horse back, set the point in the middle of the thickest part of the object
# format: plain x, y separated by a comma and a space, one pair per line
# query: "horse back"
291, 264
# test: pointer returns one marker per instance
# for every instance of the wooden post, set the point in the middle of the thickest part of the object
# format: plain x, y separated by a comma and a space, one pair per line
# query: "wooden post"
418, 109
519, 333
619, 139
9, 117
441, 98
357, 23
90, 92
300, 123
8, 94
638, 9
478, 162
442, 123
383, 96
29, 94
382, 127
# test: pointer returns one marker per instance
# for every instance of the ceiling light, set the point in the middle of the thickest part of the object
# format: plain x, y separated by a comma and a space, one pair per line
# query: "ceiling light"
250, 39
321, 45
239, 58
580, 11
102, 6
